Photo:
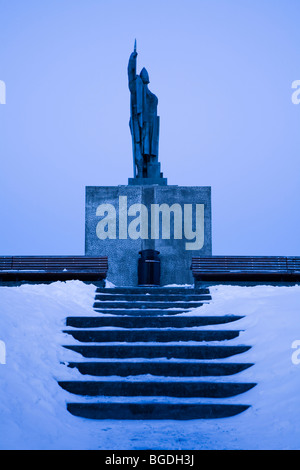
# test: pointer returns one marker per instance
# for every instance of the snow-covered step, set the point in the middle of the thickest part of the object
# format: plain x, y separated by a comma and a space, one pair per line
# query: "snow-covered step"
161, 368
152, 290
154, 410
162, 321
167, 388
149, 346
153, 335
152, 297
145, 304
170, 310
121, 350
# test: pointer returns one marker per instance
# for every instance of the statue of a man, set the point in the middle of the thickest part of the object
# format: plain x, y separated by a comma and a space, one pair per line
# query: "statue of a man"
144, 122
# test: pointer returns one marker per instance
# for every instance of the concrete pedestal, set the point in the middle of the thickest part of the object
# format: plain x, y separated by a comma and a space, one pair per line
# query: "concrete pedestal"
123, 220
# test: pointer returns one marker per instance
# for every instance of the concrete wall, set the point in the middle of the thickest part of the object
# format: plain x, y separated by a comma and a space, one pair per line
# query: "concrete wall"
125, 229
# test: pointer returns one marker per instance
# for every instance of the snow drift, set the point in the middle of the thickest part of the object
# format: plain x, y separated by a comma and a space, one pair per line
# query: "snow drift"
33, 411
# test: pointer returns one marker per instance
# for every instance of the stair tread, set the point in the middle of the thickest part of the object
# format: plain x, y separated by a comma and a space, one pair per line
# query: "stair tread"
146, 322
152, 290
156, 388
152, 335
139, 312
148, 299
161, 368
147, 304
155, 411
150, 351
152, 297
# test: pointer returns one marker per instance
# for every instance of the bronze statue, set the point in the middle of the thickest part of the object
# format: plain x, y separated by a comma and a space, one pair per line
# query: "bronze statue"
144, 122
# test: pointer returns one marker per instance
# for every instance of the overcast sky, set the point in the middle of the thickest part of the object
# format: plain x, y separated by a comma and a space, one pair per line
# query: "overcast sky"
222, 71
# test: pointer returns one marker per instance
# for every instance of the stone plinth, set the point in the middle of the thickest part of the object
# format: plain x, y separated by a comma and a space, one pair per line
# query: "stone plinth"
147, 181
122, 220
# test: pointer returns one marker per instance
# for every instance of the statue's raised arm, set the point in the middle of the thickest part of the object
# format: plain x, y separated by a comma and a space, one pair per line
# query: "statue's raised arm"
132, 68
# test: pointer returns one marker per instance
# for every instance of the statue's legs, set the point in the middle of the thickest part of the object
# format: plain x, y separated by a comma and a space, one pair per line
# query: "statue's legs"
139, 160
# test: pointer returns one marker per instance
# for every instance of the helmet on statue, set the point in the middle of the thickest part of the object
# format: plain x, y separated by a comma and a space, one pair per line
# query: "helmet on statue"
144, 76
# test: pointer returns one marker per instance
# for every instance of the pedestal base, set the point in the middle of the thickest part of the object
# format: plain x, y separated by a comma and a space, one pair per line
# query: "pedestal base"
123, 220
147, 181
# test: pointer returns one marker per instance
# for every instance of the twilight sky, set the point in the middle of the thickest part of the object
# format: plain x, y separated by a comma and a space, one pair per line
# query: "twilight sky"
222, 71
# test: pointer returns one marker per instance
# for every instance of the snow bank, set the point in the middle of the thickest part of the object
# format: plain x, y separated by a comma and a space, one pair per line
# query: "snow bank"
33, 407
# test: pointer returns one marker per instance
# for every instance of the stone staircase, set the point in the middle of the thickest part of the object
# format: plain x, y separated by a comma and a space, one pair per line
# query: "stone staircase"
148, 356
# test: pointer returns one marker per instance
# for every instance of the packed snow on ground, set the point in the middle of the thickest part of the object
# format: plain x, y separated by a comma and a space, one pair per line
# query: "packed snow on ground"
33, 411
